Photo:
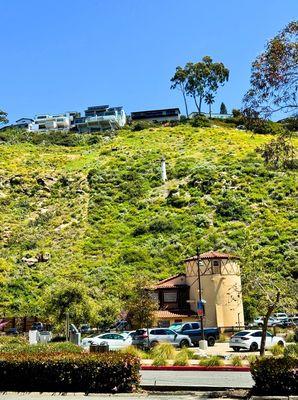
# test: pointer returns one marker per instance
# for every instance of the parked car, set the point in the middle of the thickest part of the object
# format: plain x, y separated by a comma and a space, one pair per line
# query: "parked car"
194, 331
271, 321
139, 337
37, 326
291, 322
116, 341
85, 328
280, 316
251, 340
159, 335
12, 331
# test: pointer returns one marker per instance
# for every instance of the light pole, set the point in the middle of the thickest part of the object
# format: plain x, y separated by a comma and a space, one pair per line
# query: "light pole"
202, 343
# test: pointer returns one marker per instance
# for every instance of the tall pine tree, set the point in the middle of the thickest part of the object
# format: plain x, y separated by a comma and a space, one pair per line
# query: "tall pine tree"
223, 109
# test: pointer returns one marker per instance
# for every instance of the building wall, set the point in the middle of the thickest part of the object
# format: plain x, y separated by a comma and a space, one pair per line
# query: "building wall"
222, 293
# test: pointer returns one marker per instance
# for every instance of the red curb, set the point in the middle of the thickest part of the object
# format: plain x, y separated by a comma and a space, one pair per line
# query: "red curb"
229, 368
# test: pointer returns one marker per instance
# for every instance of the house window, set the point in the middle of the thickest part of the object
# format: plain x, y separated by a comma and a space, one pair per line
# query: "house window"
170, 297
216, 266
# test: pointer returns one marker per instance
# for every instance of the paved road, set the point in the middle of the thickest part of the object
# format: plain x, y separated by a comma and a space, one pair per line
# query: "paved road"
220, 379
128, 396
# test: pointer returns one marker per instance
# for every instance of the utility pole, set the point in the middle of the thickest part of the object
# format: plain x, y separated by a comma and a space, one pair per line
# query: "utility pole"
203, 342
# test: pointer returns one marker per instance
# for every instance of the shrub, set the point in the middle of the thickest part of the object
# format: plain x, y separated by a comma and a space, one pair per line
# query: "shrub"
165, 350
159, 361
200, 122
222, 338
181, 358
291, 350
25, 347
277, 350
97, 373
236, 361
212, 361
252, 358
134, 351
275, 376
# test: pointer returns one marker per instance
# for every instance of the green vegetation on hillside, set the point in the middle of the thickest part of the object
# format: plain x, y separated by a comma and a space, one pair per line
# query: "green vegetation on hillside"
99, 214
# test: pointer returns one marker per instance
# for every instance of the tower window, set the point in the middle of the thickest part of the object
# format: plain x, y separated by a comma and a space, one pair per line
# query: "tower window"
216, 266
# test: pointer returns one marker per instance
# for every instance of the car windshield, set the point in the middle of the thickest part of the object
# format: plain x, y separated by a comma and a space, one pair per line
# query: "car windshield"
242, 333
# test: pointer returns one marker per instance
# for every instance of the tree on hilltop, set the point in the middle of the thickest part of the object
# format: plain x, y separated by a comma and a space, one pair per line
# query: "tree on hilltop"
223, 109
274, 75
179, 81
209, 99
3, 117
198, 79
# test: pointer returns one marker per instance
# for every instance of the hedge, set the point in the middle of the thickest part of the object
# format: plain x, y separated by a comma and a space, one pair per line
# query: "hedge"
88, 373
275, 376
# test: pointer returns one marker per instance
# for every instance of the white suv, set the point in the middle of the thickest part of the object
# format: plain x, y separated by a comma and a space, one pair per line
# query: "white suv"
251, 340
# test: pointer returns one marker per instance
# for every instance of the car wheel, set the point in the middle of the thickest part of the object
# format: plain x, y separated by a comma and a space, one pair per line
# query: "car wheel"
211, 341
236, 348
254, 346
154, 343
281, 344
184, 343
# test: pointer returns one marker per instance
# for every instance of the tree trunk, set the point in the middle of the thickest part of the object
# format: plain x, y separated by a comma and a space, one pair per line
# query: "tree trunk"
196, 103
200, 104
270, 309
209, 110
184, 98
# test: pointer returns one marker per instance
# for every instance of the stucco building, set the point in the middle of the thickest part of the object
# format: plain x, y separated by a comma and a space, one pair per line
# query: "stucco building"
221, 292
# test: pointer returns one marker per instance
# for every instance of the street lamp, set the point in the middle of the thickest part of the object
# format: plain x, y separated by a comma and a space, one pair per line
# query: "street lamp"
202, 343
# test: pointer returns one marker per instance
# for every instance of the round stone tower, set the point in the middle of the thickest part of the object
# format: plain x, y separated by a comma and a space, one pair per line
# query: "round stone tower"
220, 288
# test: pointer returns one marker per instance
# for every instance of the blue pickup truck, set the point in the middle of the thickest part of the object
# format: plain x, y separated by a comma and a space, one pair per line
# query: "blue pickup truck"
194, 331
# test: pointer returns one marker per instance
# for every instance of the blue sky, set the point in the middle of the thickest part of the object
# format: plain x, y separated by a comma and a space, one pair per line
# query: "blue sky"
59, 55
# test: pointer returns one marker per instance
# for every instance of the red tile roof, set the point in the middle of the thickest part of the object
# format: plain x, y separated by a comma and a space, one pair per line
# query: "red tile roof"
167, 284
212, 254
173, 314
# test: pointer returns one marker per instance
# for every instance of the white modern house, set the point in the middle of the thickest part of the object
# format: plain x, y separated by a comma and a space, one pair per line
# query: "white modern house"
100, 118
53, 122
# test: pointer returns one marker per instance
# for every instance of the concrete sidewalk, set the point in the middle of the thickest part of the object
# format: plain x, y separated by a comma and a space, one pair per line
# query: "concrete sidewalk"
196, 379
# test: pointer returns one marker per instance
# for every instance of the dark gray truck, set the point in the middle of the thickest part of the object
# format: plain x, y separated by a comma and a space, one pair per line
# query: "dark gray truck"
194, 331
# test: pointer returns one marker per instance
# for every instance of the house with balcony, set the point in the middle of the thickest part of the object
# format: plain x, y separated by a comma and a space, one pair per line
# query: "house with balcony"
101, 118
218, 275
21, 123
162, 115
62, 122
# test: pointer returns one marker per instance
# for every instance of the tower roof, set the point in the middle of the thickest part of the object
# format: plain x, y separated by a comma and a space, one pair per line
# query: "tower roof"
212, 254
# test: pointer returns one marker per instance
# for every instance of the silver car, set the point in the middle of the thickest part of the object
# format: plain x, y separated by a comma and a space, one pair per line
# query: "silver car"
160, 335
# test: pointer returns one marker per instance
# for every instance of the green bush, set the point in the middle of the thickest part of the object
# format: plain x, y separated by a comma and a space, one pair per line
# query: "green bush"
212, 361
159, 361
97, 373
200, 122
275, 376
236, 361
134, 351
181, 358
165, 350
291, 350
25, 347
277, 350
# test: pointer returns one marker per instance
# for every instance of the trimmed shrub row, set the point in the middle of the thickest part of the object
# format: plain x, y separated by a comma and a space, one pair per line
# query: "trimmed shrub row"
275, 376
88, 373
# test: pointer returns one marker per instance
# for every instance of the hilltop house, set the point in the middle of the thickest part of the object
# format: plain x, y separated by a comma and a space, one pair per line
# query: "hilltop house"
178, 295
167, 114
21, 123
100, 118
53, 122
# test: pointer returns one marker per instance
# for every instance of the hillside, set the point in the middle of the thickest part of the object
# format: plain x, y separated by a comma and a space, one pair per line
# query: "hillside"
99, 214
